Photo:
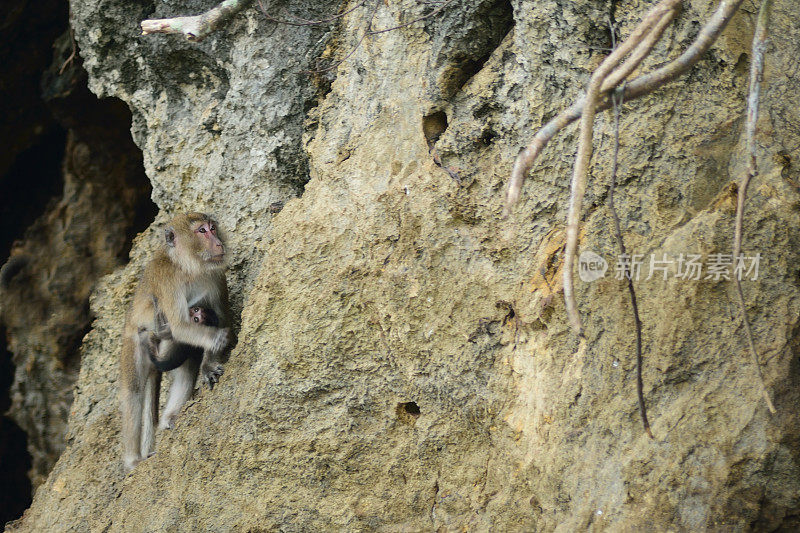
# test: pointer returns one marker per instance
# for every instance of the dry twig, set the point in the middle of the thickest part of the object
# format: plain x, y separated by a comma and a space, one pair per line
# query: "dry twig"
197, 27
756, 76
300, 21
604, 80
627, 272
436, 11
367, 31
67, 62
293, 20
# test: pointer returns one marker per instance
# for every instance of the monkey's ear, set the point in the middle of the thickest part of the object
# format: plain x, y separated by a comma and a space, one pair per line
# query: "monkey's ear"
169, 236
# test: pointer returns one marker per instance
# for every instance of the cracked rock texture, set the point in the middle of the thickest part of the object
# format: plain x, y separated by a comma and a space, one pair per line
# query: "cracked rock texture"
404, 362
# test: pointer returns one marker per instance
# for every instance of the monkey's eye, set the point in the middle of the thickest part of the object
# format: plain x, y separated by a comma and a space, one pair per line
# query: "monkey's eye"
196, 319
202, 230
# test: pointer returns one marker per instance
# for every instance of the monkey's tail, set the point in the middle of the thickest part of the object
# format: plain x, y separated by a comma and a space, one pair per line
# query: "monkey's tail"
152, 389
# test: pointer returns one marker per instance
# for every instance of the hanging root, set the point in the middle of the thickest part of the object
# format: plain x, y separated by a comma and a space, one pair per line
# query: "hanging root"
636, 43
756, 75
628, 274
605, 79
639, 86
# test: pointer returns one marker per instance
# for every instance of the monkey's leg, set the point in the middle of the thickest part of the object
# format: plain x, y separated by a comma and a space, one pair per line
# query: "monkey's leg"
152, 388
180, 391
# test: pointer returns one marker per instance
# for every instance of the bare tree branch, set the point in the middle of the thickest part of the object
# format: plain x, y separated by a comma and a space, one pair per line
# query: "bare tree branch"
353, 51
756, 76
197, 27
635, 88
67, 62
299, 21
442, 5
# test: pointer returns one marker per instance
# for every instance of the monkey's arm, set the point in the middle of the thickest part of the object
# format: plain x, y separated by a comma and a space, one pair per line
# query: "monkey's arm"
187, 334
175, 309
163, 282
216, 314
167, 355
163, 353
162, 330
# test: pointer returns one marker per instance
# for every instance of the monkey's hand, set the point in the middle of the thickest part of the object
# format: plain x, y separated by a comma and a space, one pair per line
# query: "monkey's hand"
210, 368
211, 371
220, 340
163, 330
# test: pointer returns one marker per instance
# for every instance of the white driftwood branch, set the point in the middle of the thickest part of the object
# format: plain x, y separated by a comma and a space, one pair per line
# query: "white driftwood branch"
197, 27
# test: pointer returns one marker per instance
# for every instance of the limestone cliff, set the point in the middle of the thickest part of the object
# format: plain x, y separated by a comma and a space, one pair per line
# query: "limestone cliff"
404, 362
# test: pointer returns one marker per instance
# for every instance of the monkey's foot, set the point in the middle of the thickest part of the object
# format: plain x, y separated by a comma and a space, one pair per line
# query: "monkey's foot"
211, 374
129, 463
168, 421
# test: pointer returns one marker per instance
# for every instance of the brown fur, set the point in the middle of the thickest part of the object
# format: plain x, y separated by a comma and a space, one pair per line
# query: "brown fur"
189, 271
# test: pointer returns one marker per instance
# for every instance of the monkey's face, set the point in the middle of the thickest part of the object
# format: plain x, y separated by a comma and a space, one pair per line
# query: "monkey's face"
208, 244
203, 315
197, 315
193, 242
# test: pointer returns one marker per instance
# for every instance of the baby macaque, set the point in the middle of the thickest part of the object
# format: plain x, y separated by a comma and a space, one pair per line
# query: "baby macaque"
172, 355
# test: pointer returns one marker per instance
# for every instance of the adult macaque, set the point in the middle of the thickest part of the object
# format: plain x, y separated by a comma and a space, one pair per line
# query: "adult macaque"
188, 273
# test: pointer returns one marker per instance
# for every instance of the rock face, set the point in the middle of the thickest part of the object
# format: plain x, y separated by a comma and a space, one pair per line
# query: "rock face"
404, 362
45, 284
